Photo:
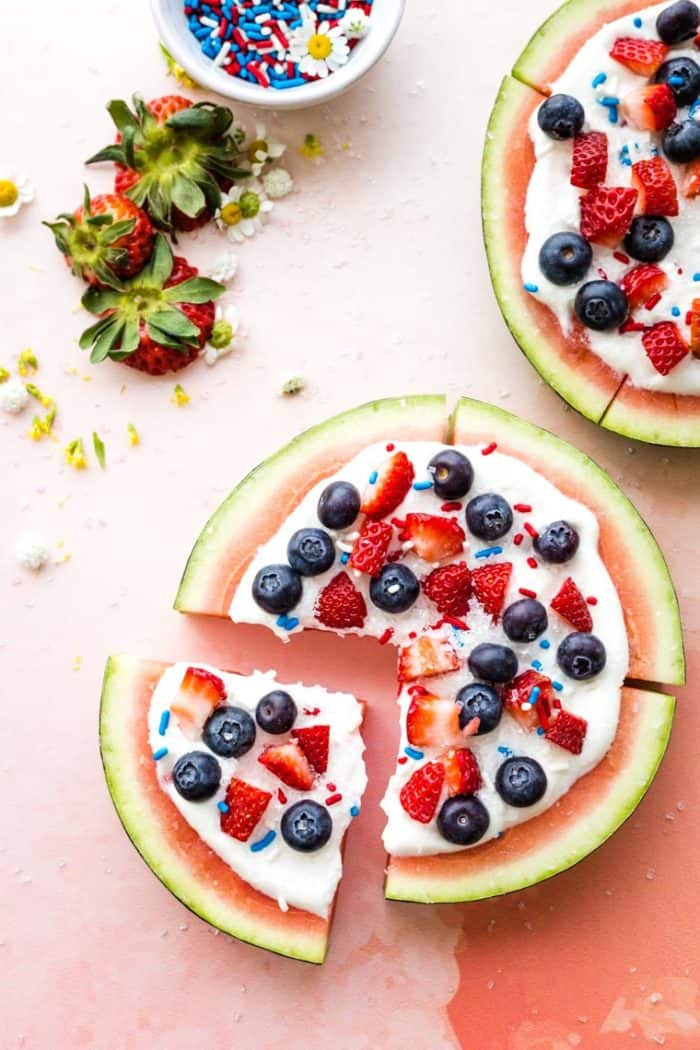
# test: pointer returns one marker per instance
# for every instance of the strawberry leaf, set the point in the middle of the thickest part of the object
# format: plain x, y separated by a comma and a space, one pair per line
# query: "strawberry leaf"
163, 338
130, 337
90, 334
121, 115
187, 196
161, 264
196, 290
106, 341
174, 323
109, 153
118, 230
97, 300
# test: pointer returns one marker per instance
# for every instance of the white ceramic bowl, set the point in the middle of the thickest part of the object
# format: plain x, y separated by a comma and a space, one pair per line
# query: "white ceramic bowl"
174, 32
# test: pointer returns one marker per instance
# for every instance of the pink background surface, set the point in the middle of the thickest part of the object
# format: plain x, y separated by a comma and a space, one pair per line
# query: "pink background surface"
371, 281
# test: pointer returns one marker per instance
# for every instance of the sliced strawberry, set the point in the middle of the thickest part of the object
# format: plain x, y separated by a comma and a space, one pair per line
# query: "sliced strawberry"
589, 164
394, 479
199, 693
313, 741
426, 657
650, 108
289, 763
434, 538
371, 547
490, 584
462, 776
607, 213
246, 806
421, 793
450, 588
691, 179
642, 282
656, 186
340, 605
641, 56
567, 731
518, 697
570, 603
665, 346
433, 722
695, 328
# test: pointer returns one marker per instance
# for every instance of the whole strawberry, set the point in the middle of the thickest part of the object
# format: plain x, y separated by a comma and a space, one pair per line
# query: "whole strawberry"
156, 322
109, 238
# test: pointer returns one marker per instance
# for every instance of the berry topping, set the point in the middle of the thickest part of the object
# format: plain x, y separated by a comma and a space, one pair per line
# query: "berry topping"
521, 781
557, 542
276, 712
339, 505
450, 588
691, 180
589, 164
313, 741
493, 663
246, 806
489, 516
432, 721
426, 657
665, 346
371, 547
601, 305
530, 709
565, 258
229, 732
681, 142
196, 776
277, 589
463, 820
525, 620
650, 238
606, 213
570, 603
490, 584
452, 474
678, 22
641, 56
434, 538
394, 479
289, 763
199, 693
682, 75
421, 793
642, 282
481, 701
695, 328
310, 552
567, 731
656, 187
561, 117
306, 826
395, 589
581, 656
340, 605
649, 108
462, 776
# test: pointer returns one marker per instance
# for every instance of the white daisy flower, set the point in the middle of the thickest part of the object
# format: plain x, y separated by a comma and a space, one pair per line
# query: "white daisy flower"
263, 149
14, 397
15, 190
223, 336
317, 48
277, 183
244, 210
224, 268
355, 23
32, 552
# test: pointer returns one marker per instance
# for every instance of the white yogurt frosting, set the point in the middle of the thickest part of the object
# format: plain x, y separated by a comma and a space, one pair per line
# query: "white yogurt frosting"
552, 206
302, 880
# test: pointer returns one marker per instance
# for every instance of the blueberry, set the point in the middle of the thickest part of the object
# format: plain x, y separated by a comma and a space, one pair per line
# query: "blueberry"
395, 589
276, 712
495, 663
306, 826
601, 305
678, 22
339, 505
277, 588
489, 516
229, 732
452, 474
682, 76
479, 701
565, 258
525, 620
561, 117
310, 552
521, 781
557, 543
463, 820
196, 776
650, 238
581, 656
681, 142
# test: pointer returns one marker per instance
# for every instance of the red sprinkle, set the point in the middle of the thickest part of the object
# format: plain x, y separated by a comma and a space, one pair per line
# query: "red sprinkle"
518, 539
532, 563
384, 638
557, 704
591, 600
689, 317
454, 622
527, 592
281, 796
454, 505
390, 447
522, 508
331, 787
602, 274
402, 759
312, 710
489, 449
531, 530
413, 635
333, 799
621, 257
651, 303
631, 326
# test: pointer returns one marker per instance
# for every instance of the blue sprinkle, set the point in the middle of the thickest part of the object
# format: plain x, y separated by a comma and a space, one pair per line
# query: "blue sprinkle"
287, 623
292, 622
354, 810
486, 552
612, 115
540, 731
413, 753
373, 477
675, 81
558, 686
638, 22
530, 287
421, 486
537, 665
160, 753
164, 722
544, 644
264, 842
534, 696
344, 558
223, 807
599, 79
675, 311
696, 276
609, 101
504, 750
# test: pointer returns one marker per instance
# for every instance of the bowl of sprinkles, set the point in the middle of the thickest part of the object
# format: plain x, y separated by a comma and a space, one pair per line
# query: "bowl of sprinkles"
280, 54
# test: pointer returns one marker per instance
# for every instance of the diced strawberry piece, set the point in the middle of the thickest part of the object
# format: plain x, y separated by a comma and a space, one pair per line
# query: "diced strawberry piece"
199, 693
371, 547
589, 164
340, 605
570, 603
462, 776
607, 213
641, 56
450, 588
289, 763
426, 657
642, 282
490, 584
421, 793
650, 108
434, 538
246, 806
313, 741
691, 179
567, 731
695, 328
656, 186
433, 722
394, 479
518, 696
665, 346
